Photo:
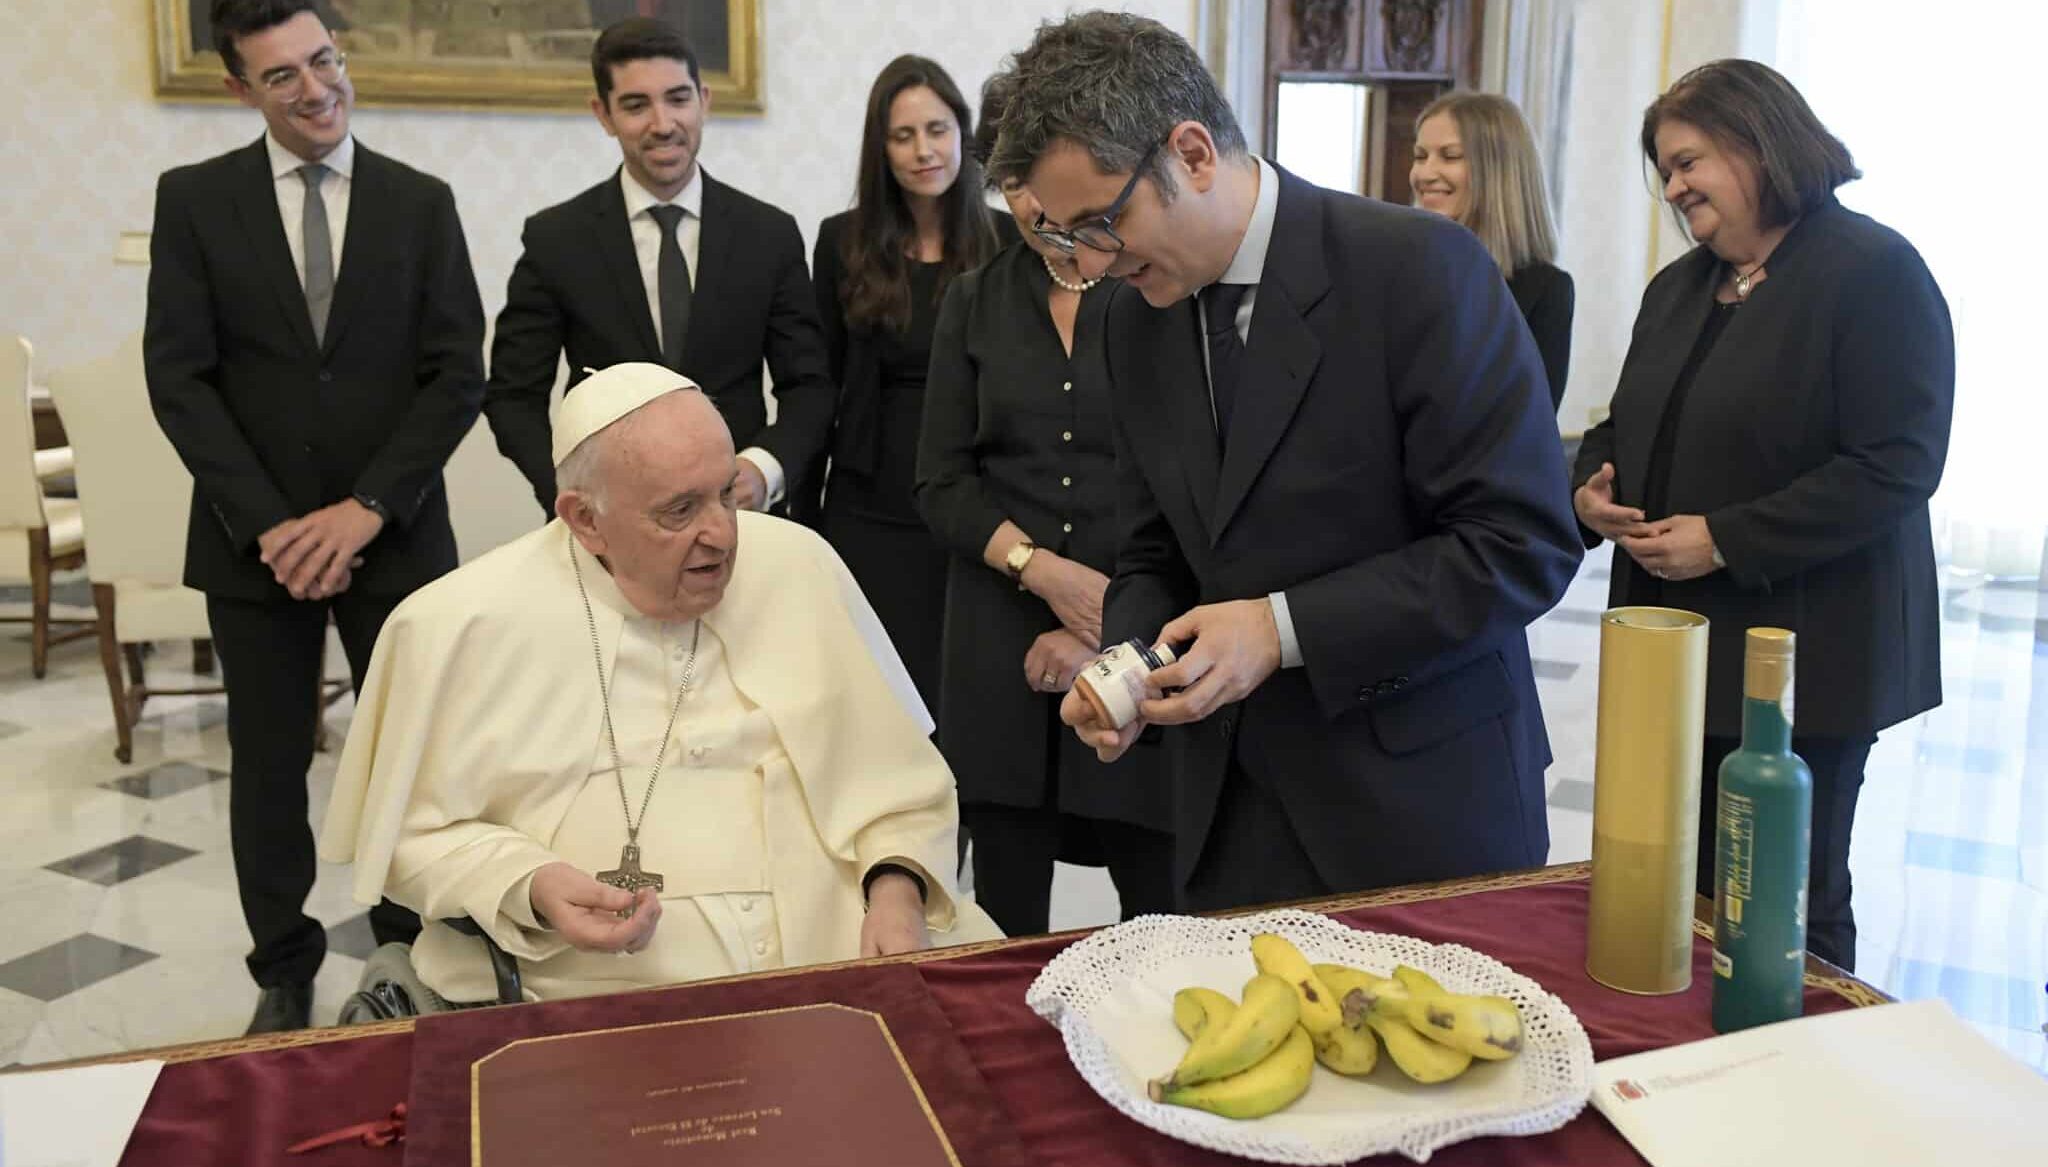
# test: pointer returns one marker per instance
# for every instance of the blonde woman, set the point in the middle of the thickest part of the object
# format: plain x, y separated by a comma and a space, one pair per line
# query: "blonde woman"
1475, 161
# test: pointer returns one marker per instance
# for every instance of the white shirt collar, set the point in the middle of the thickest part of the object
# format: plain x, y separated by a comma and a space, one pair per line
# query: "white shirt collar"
639, 198
341, 160
1250, 261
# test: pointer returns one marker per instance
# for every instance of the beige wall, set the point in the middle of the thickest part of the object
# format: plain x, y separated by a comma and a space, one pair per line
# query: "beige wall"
82, 140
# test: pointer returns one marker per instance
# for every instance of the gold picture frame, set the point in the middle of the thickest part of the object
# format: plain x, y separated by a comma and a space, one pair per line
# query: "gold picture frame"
400, 55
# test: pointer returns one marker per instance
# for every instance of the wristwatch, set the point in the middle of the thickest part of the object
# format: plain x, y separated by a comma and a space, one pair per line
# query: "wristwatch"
1018, 556
373, 506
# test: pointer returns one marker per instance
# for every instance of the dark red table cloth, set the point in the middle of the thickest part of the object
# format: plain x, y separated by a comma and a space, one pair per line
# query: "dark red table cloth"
246, 1106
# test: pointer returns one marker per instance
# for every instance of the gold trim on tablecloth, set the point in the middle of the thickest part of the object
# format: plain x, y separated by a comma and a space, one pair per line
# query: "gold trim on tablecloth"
1848, 988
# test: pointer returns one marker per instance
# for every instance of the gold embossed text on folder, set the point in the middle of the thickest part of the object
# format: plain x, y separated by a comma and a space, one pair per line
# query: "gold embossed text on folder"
812, 1084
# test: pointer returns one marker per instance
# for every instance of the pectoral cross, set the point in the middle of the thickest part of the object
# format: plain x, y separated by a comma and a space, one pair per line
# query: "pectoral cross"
628, 877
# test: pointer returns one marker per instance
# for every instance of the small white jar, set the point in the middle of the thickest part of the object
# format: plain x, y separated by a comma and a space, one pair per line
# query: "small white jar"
1114, 683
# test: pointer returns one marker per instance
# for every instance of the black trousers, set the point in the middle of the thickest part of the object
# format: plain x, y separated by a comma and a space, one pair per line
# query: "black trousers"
1252, 855
1014, 849
270, 664
1837, 765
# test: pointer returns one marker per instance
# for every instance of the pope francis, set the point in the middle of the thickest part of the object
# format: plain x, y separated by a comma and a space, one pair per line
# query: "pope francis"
636, 755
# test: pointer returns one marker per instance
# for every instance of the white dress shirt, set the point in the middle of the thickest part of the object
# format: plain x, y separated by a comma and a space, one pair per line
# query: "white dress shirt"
1248, 266
291, 197
640, 203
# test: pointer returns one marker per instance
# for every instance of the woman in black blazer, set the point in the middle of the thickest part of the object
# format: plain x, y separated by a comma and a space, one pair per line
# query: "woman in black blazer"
1475, 161
1781, 421
879, 272
1017, 478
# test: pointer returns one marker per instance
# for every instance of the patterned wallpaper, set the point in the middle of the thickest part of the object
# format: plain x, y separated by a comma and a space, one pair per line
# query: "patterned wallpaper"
84, 139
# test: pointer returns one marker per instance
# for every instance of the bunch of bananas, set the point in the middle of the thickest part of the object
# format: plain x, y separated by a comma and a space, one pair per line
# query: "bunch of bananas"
1252, 1057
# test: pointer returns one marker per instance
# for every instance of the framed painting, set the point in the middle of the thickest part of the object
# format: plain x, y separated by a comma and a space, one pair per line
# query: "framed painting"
478, 54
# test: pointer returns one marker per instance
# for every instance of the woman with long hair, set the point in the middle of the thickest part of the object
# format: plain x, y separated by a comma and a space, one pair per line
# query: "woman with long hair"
1475, 161
880, 270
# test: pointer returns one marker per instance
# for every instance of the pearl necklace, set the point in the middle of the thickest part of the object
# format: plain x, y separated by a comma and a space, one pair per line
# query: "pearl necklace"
1054, 272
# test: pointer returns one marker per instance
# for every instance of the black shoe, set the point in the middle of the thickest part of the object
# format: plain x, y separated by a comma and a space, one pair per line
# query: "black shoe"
283, 1007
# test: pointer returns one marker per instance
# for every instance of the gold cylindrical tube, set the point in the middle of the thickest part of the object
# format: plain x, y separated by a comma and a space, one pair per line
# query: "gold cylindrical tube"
1646, 797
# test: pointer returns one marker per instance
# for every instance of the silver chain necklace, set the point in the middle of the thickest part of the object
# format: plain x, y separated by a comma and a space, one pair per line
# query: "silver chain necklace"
627, 876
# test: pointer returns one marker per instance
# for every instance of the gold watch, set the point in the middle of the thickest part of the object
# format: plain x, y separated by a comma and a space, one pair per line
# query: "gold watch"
1017, 557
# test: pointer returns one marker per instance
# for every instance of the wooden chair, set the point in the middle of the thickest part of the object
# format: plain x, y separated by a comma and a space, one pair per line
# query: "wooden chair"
39, 535
136, 493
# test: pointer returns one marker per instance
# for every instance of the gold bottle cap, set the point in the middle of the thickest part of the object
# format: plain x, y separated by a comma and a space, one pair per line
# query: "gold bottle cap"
1767, 664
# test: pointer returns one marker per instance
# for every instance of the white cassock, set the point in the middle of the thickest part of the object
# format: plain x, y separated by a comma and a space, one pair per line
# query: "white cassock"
800, 759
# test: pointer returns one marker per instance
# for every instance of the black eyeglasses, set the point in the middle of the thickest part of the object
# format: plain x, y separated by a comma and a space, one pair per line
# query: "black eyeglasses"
1098, 233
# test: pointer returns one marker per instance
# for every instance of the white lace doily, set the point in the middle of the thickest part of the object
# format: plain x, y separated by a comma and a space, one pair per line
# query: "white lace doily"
1111, 996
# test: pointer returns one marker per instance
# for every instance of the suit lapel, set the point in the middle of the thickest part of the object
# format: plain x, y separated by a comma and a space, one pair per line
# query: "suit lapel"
368, 234
1282, 351
615, 242
1663, 354
256, 206
715, 235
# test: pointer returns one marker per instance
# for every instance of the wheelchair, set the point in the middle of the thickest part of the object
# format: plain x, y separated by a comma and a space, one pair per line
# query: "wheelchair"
390, 989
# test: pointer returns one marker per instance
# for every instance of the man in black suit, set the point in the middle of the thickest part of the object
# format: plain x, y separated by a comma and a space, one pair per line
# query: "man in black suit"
663, 263
1340, 480
314, 351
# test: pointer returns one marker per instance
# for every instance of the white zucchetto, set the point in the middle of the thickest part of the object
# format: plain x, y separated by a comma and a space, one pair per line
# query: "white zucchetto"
606, 396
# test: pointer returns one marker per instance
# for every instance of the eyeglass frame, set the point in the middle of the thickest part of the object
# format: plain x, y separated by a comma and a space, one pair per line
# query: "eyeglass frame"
1067, 240
296, 79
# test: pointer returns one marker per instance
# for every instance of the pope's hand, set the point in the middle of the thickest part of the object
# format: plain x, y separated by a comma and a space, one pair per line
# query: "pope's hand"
1108, 742
895, 919
586, 912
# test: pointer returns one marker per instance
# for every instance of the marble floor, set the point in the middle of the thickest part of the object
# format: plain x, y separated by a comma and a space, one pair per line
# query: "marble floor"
119, 926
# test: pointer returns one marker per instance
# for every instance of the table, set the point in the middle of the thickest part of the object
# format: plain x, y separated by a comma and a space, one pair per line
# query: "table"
244, 1100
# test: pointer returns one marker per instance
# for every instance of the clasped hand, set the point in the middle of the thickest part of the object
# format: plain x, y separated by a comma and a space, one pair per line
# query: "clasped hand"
314, 556
1677, 548
1236, 647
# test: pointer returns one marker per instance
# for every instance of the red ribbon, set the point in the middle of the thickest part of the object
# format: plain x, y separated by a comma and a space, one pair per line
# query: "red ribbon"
382, 1133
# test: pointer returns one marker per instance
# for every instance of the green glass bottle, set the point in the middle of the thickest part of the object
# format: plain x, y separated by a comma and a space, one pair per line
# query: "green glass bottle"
1764, 820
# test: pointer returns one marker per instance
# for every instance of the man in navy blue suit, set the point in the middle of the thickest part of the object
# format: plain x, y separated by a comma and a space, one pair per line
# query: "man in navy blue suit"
1341, 487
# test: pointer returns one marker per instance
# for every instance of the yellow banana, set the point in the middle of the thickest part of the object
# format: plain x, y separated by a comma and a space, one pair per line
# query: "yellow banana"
1418, 1057
1267, 1086
1262, 1021
1485, 1027
1417, 982
1372, 992
1197, 1008
1348, 1051
1319, 1012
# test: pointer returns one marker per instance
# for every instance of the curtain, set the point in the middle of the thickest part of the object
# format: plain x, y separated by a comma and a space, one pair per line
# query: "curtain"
1926, 103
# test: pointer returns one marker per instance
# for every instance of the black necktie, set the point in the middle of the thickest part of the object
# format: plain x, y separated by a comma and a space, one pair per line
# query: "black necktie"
672, 286
1226, 351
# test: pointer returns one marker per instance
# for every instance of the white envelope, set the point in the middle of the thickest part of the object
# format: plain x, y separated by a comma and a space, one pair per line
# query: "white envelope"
1907, 1085
80, 1117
